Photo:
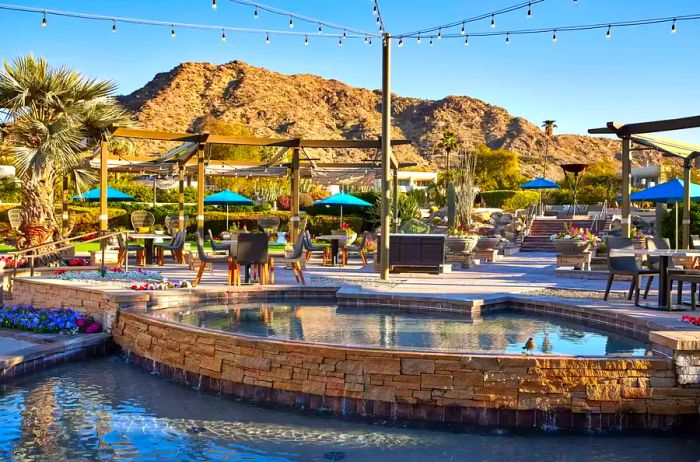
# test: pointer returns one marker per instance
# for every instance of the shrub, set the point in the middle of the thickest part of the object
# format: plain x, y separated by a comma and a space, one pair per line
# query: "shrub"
414, 226
521, 200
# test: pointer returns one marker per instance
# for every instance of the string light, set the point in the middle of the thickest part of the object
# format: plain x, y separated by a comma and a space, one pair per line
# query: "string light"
365, 40
306, 41
267, 38
493, 22
43, 21
431, 40
370, 41
608, 34
529, 10
320, 30
114, 26
400, 42
223, 35
374, 10
466, 41
345, 35
172, 31
554, 36
440, 34
340, 42
418, 40
379, 22
463, 30
213, 4
255, 12
291, 23
507, 38
673, 26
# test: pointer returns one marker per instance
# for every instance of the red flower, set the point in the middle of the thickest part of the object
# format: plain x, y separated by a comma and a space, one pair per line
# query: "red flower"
80, 322
345, 226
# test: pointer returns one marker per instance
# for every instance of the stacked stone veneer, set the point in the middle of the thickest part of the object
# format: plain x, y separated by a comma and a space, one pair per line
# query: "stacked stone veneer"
474, 389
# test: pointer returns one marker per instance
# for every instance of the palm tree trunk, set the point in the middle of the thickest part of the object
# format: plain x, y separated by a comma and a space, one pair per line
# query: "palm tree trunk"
38, 218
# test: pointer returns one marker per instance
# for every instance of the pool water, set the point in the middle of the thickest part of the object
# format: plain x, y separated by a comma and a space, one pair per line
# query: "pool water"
107, 409
503, 331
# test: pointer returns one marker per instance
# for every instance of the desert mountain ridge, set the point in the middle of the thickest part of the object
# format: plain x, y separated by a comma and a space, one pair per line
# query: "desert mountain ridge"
308, 106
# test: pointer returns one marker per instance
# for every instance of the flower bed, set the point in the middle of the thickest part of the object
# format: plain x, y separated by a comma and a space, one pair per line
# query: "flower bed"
116, 274
78, 261
163, 285
47, 320
694, 320
8, 261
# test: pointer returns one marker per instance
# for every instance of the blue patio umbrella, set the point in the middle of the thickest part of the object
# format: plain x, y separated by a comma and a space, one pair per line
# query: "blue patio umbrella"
113, 195
670, 192
540, 184
343, 200
227, 197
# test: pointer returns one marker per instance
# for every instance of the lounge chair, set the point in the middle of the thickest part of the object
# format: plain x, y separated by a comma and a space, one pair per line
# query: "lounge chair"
175, 247
358, 249
625, 265
233, 269
125, 248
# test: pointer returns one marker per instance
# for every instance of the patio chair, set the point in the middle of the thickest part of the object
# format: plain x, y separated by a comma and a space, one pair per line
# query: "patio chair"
358, 249
625, 265
217, 246
233, 269
310, 248
252, 251
175, 247
654, 243
172, 222
125, 248
142, 219
294, 259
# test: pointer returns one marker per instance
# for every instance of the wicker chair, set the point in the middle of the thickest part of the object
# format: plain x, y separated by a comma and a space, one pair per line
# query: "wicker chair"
233, 269
15, 217
175, 248
142, 219
172, 222
358, 249
217, 246
625, 266
310, 248
125, 248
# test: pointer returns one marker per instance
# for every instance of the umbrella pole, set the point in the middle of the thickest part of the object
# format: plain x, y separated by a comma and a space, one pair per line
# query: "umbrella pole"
341, 217
676, 225
226, 217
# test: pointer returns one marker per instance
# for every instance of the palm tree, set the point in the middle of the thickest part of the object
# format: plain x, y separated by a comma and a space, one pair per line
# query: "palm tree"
449, 143
55, 117
548, 126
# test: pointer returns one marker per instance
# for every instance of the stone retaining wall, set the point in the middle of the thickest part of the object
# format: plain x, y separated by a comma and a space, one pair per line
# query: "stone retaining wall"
452, 388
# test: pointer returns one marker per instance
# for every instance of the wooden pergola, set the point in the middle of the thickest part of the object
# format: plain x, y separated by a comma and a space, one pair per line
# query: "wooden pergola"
195, 158
627, 132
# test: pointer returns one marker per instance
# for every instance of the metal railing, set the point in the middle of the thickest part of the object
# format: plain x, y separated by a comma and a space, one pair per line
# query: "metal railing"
32, 253
600, 216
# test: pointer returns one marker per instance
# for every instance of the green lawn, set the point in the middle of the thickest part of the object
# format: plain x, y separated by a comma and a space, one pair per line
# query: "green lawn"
85, 248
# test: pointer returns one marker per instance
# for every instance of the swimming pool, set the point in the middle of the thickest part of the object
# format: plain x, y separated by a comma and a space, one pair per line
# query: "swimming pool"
502, 331
107, 409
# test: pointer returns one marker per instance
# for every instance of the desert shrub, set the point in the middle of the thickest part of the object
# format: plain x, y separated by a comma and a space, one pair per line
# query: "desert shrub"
408, 207
521, 200
496, 198
414, 226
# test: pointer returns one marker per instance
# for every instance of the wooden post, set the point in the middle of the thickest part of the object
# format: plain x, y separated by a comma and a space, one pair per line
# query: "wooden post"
103, 187
386, 157
200, 190
626, 178
395, 197
181, 195
687, 168
64, 207
295, 180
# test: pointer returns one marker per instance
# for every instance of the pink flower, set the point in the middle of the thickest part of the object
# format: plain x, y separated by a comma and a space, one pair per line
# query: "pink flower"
80, 322
93, 328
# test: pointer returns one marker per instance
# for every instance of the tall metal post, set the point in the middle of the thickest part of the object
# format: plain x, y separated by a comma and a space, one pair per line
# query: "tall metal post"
395, 198
296, 179
200, 190
103, 187
386, 156
687, 166
181, 196
626, 179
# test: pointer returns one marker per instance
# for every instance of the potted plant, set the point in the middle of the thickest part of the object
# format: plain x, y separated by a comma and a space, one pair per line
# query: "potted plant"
461, 237
461, 240
488, 239
640, 239
574, 240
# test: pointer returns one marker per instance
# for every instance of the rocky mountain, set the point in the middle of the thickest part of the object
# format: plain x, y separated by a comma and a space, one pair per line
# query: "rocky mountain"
273, 104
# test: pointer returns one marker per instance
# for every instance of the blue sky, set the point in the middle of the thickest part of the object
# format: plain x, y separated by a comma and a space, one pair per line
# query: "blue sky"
582, 81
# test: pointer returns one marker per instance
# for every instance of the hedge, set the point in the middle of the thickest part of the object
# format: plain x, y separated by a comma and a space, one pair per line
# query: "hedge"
509, 199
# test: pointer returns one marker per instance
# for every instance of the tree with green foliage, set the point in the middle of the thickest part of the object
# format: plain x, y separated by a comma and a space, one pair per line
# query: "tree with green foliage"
55, 117
548, 126
233, 152
449, 143
497, 169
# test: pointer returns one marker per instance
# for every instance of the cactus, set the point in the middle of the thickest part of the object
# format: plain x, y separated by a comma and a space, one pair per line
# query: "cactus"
451, 205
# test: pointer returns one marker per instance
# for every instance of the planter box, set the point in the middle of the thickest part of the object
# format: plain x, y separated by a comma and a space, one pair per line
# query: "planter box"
571, 246
578, 262
488, 243
461, 244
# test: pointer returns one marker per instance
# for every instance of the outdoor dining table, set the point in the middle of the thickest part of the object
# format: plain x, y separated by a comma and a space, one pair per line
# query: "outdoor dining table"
335, 244
664, 257
148, 239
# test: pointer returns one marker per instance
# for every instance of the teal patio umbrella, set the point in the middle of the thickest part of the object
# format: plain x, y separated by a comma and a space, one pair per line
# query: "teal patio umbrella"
342, 199
539, 184
227, 197
113, 195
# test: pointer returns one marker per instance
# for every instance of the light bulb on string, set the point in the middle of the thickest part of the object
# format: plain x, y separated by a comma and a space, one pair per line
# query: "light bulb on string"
255, 12
320, 29
172, 32
306, 41
291, 23
529, 10
440, 34
366, 40
114, 26
400, 42
466, 41
345, 34
673, 26
370, 41
431, 40
43, 21
213, 4
418, 40
463, 31
223, 35
340, 42
374, 10
267, 38
608, 34
508, 38
493, 22
554, 37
